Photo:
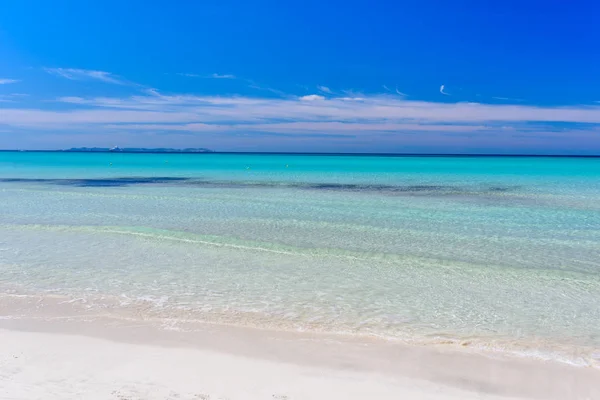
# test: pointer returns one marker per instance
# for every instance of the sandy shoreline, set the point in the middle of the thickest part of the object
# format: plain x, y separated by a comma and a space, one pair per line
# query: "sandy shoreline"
104, 360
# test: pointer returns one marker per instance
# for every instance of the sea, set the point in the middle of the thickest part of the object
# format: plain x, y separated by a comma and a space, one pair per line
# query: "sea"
495, 254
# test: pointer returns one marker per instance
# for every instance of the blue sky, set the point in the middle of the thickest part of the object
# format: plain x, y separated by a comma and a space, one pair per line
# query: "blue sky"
352, 76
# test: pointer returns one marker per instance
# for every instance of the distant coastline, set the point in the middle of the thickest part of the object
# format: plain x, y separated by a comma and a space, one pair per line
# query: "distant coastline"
135, 150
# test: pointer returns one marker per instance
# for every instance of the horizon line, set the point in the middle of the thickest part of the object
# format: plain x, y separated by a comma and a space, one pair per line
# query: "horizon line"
313, 153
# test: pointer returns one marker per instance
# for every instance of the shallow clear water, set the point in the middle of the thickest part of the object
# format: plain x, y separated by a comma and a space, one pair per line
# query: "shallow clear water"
495, 251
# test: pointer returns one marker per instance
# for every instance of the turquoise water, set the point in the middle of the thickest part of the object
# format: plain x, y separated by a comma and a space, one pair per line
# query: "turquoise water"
489, 252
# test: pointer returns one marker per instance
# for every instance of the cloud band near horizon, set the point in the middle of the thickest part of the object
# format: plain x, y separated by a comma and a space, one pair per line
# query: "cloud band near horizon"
364, 113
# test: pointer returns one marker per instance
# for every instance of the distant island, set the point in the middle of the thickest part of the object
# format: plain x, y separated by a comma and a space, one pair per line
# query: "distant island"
117, 149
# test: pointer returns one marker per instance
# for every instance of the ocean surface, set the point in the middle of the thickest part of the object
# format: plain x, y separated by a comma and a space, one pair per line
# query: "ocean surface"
492, 253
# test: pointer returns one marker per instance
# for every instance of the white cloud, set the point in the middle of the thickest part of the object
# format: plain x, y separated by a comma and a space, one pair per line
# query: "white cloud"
84, 74
442, 90
400, 93
324, 89
312, 97
5, 81
188, 75
224, 76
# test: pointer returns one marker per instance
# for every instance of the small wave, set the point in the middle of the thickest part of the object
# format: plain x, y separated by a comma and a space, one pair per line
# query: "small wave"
160, 313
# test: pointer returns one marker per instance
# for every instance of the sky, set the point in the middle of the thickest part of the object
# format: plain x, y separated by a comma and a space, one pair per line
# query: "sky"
424, 76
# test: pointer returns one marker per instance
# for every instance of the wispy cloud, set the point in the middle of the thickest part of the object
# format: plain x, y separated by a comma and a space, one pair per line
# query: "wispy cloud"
6, 81
506, 98
222, 76
324, 89
442, 88
210, 76
85, 74
189, 75
12, 97
351, 94
311, 114
394, 91
254, 85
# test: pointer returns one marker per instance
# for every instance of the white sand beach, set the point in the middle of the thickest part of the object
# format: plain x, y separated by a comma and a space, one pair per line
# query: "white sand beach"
45, 360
